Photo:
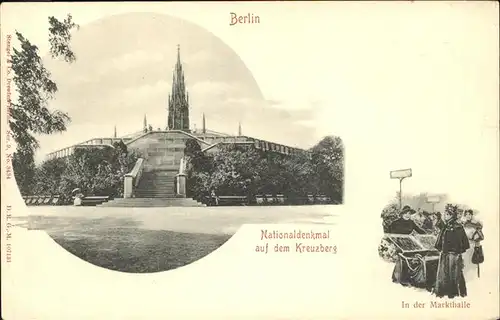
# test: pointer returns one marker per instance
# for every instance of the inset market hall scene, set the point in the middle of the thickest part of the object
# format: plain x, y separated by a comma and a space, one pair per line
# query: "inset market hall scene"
434, 244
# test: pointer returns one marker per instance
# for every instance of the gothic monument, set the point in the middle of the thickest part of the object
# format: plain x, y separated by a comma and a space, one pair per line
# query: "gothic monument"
158, 177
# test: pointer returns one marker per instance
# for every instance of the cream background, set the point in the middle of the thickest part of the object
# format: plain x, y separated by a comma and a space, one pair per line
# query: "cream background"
404, 85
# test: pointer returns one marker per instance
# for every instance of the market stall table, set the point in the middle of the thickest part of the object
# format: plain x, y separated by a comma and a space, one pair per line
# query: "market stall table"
417, 260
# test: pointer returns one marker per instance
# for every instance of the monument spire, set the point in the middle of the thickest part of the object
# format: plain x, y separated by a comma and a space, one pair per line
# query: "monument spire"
178, 54
145, 122
204, 124
178, 104
114, 136
239, 128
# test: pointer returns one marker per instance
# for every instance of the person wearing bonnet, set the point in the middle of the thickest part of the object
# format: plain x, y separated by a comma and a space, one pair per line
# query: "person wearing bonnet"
473, 227
452, 242
402, 273
404, 225
474, 230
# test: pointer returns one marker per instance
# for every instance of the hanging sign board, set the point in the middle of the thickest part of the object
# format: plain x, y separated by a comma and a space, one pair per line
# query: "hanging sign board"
399, 174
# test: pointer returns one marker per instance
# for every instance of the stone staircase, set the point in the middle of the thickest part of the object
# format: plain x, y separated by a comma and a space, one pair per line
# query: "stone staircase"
152, 202
155, 189
156, 184
162, 152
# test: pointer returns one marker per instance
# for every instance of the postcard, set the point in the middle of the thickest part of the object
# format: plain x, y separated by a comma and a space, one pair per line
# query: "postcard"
250, 160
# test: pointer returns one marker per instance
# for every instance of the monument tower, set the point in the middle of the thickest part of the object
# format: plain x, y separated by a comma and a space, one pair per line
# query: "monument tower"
178, 100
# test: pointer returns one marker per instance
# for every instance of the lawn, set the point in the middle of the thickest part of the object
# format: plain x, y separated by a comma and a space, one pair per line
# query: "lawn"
145, 240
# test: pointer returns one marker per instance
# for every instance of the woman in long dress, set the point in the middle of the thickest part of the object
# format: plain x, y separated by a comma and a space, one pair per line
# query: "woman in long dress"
452, 242
474, 230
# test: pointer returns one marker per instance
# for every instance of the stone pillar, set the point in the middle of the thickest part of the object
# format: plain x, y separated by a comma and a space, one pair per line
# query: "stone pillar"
128, 186
181, 185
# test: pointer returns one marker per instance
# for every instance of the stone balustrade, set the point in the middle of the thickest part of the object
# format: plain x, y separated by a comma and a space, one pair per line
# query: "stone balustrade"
98, 142
131, 179
102, 141
181, 179
66, 152
258, 144
174, 141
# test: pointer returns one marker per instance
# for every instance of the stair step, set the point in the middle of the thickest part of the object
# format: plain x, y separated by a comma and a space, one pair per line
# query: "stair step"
138, 200
153, 187
153, 202
163, 199
150, 195
164, 186
159, 196
146, 193
157, 183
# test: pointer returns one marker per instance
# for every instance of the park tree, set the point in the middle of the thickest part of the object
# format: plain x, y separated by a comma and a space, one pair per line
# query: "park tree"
197, 160
328, 162
192, 148
233, 171
237, 170
79, 173
47, 176
30, 114
272, 172
298, 175
198, 165
97, 171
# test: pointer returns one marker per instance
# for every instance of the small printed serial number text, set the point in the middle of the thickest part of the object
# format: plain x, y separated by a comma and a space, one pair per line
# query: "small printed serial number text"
8, 234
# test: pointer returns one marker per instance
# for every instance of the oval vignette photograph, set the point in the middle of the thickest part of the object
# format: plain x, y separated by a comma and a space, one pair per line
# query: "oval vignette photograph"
143, 143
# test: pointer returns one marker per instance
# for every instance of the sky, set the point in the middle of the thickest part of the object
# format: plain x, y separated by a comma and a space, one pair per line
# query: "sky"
123, 72
405, 85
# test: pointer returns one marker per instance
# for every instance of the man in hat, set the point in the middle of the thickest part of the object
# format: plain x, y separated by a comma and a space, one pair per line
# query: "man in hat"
404, 225
439, 224
427, 224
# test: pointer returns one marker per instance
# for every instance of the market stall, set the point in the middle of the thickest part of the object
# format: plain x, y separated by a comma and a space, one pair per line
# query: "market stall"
417, 259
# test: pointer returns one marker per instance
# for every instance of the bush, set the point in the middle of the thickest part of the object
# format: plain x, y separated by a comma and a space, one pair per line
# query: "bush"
47, 178
245, 171
94, 171
328, 165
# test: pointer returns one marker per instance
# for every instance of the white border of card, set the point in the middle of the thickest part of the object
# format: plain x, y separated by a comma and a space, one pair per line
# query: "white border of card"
410, 89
